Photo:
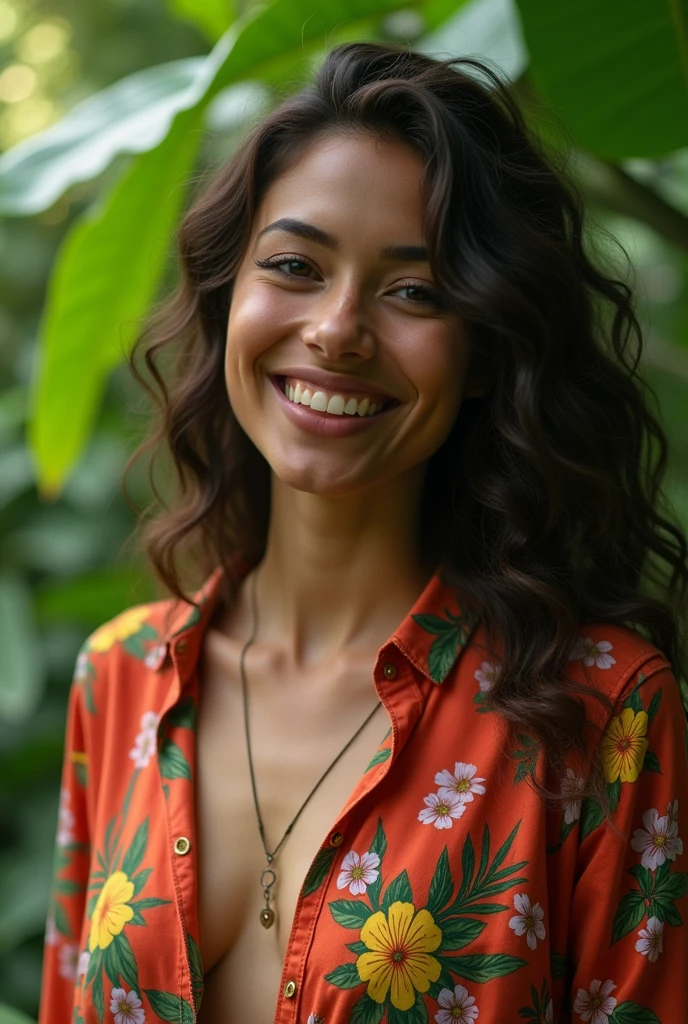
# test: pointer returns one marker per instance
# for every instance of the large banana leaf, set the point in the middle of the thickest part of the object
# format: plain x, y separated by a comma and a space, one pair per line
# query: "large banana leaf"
616, 71
212, 17
110, 263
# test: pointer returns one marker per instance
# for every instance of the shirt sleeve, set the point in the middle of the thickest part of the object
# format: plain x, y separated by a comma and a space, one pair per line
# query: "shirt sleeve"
628, 935
63, 958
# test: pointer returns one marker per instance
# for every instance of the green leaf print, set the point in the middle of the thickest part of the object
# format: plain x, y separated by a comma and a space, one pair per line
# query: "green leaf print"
634, 700
81, 772
488, 880
653, 707
351, 914
452, 634
318, 870
173, 764
378, 846
379, 758
592, 815
196, 968
138, 881
632, 1013
121, 957
61, 920
459, 931
540, 1000
418, 1014
97, 995
482, 967
345, 976
357, 947
441, 886
170, 1007
628, 916
367, 1011
557, 965
137, 850
651, 762
398, 890
183, 714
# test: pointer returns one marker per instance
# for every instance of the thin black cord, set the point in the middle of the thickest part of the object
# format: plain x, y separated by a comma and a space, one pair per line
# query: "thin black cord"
271, 856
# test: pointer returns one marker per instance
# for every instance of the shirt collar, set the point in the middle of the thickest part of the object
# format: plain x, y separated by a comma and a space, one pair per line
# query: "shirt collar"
432, 636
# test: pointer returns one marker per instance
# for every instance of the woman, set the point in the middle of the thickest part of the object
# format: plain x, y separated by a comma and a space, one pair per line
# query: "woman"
415, 749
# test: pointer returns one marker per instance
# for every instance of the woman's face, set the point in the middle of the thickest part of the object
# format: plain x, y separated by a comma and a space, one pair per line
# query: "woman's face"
335, 301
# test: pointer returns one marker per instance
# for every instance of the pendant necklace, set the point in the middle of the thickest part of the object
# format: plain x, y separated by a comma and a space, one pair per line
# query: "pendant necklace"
269, 876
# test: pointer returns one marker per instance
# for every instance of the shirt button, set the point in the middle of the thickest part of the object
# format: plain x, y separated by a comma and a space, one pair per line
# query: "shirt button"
181, 646
389, 670
290, 990
182, 846
336, 839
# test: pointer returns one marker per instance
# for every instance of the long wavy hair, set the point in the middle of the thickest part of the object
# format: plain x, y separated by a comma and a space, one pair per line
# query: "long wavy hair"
546, 498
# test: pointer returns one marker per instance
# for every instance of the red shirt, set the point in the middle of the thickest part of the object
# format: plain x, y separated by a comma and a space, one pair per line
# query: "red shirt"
444, 890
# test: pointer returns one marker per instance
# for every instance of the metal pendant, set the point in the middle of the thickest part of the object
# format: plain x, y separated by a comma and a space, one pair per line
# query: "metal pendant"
267, 880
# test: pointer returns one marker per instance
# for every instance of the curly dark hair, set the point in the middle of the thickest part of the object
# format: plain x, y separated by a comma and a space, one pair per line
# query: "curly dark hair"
545, 502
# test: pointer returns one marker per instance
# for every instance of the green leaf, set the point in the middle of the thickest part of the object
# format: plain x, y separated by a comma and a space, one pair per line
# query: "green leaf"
654, 706
350, 913
366, 1011
148, 902
345, 976
607, 68
630, 912
170, 1007
416, 1014
61, 920
139, 880
557, 965
481, 967
467, 865
196, 968
86, 300
672, 885
94, 965
378, 846
643, 878
591, 816
501, 854
97, 996
173, 764
441, 885
458, 932
183, 714
664, 910
379, 758
443, 654
634, 700
137, 850
124, 960
651, 762
357, 947
632, 1013
318, 870
398, 890
212, 17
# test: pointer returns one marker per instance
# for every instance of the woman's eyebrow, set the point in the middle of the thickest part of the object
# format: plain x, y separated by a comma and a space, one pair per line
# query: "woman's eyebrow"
402, 253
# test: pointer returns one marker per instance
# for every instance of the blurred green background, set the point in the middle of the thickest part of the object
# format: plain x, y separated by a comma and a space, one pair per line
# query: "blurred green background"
156, 94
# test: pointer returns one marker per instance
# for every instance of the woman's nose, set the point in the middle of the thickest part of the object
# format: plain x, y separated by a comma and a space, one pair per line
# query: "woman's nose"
338, 328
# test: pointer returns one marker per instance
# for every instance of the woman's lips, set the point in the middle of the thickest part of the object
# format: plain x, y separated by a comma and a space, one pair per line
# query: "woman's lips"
324, 424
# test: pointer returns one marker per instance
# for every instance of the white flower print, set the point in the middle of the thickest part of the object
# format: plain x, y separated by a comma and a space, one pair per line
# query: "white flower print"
52, 936
549, 1013
528, 921
69, 956
440, 810
358, 873
315, 1018
650, 941
145, 743
595, 1005
81, 667
66, 820
572, 787
461, 783
672, 810
82, 967
127, 1007
658, 841
457, 1007
593, 653
487, 675
153, 657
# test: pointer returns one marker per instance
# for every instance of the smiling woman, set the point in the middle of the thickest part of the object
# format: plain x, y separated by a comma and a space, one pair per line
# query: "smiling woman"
418, 478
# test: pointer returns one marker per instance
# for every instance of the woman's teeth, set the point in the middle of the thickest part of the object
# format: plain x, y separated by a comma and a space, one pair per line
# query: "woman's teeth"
336, 405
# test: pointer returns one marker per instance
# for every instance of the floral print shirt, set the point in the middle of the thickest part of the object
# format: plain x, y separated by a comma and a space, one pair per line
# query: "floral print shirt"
444, 890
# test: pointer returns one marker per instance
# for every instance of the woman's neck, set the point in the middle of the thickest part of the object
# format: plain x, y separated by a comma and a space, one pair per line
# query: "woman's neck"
339, 574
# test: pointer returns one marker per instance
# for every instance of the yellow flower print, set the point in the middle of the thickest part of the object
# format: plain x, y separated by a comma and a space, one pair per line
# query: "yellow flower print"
121, 627
112, 911
399, 959
624, 745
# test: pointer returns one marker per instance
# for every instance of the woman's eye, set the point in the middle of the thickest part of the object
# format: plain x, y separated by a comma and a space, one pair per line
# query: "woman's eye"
293, 263
421, 296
